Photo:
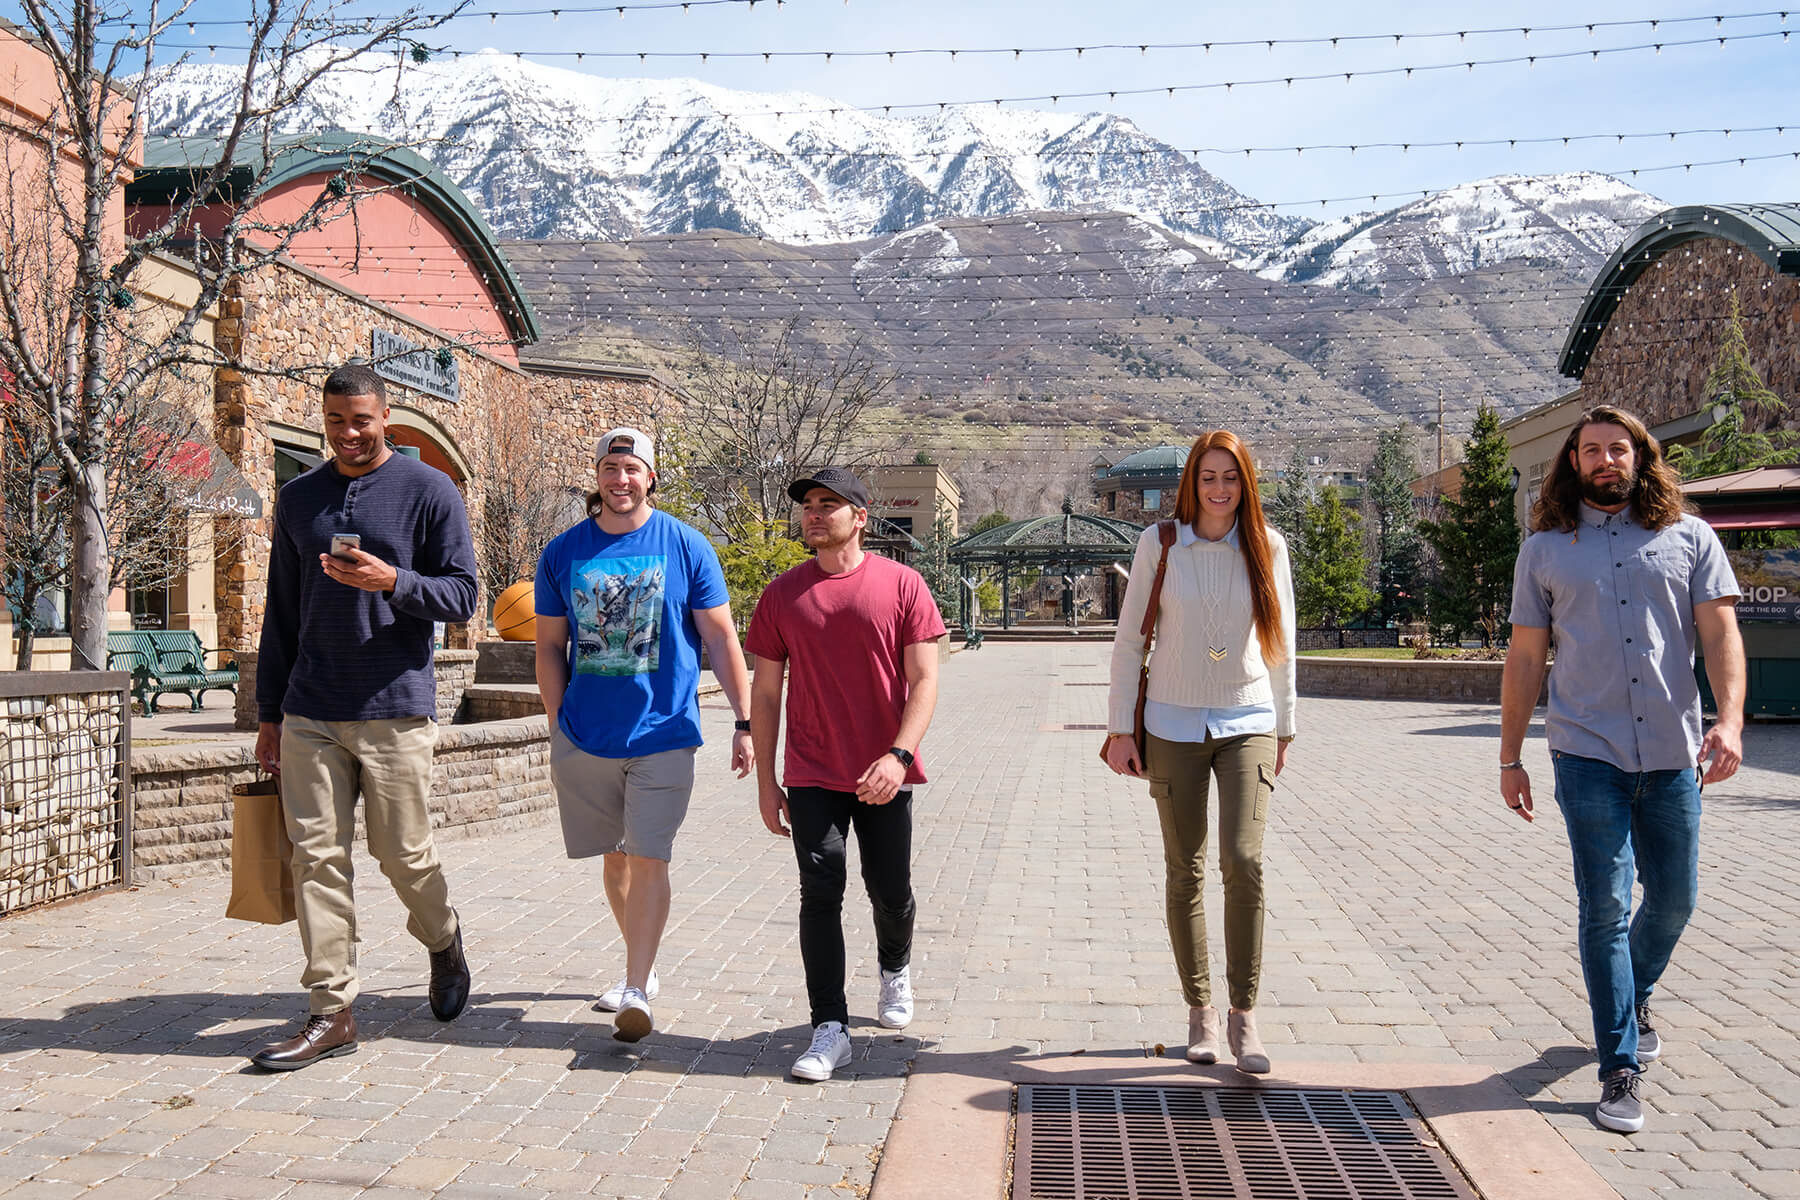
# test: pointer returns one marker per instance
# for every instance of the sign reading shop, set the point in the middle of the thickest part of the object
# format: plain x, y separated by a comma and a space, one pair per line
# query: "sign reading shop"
407, 363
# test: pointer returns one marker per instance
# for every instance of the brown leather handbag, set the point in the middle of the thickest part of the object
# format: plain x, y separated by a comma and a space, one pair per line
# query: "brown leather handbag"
1165, 533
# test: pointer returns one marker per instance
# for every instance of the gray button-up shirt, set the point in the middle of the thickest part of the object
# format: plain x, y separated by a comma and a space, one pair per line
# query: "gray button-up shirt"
1619, 601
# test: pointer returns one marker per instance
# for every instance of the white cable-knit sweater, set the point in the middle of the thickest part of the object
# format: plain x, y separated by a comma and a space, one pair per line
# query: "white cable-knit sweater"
1205, 654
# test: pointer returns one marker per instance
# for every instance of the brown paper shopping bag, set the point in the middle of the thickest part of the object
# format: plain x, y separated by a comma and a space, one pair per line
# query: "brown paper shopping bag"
262, 879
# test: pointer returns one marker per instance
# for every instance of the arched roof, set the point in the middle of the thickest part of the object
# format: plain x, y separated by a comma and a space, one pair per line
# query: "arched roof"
1068, 537
1158, 460
1769, 231
170, 164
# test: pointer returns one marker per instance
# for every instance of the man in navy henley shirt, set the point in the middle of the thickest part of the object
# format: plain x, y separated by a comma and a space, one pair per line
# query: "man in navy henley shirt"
347, 700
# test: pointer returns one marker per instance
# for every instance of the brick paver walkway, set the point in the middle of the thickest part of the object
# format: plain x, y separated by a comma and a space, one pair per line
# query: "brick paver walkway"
1410, 918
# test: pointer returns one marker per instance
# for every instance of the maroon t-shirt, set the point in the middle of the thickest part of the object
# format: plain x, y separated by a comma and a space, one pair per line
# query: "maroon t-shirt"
842, 637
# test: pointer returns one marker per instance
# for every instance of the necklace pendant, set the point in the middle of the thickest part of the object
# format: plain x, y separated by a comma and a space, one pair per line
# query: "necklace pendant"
1216, 653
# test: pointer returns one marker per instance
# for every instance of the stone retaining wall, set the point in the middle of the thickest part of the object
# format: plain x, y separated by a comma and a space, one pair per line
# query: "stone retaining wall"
1400, 679
486, 778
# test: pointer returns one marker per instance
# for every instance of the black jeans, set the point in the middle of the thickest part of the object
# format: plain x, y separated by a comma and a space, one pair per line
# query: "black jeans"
821, 821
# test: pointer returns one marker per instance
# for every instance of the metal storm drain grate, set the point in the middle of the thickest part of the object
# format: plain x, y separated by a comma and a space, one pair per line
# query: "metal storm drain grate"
1220, 1143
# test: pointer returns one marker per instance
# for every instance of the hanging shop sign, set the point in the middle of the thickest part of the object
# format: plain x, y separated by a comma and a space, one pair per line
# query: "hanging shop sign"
407, 363
1770, 582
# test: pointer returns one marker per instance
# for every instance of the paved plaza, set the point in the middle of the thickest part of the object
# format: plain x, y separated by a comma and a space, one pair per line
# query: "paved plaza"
1411, 920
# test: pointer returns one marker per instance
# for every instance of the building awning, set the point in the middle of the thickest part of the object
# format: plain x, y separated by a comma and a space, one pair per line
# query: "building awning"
1754, 518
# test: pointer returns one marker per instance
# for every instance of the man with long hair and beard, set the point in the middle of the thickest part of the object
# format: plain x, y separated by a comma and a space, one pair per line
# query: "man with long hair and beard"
1625, 579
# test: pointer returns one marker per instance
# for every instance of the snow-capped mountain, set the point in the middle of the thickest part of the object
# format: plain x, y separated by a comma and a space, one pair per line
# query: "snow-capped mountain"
551, 153
1571, 222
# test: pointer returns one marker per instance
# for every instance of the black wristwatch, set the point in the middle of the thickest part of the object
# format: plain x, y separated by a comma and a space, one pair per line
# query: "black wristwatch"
742, 725
905, 756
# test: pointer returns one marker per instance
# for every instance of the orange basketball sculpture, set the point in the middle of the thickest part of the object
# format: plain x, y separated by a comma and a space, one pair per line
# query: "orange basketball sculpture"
515, 616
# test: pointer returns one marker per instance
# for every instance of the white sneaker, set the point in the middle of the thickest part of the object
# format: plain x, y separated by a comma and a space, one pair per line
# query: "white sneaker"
633, 1020
830, 1050
614, 996
896, 1008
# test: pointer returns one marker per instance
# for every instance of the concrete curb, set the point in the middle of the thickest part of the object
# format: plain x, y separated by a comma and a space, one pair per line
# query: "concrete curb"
954, 1126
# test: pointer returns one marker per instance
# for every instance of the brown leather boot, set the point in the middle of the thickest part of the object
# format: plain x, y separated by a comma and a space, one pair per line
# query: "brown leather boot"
324, 1036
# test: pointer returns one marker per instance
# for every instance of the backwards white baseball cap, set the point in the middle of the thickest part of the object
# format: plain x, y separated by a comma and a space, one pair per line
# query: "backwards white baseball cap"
626, 440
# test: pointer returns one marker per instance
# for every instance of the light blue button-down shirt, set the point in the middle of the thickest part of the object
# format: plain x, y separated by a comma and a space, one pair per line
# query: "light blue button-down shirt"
1619, 601
1182, 723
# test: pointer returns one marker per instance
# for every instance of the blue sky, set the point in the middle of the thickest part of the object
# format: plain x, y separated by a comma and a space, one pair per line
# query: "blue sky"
1738, 85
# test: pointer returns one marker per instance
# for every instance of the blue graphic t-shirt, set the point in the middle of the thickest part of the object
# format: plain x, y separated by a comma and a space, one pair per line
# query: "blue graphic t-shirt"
634, 650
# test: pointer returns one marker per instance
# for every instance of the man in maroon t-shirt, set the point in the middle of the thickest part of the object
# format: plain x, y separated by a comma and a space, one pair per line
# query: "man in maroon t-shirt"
858, 634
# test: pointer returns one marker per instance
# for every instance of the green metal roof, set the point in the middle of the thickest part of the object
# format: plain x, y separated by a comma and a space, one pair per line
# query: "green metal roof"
1066, 537
1158, 460
171, 165
1769, 231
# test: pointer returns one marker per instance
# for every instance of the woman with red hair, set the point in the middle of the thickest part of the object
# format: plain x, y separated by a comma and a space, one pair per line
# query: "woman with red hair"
1219, 705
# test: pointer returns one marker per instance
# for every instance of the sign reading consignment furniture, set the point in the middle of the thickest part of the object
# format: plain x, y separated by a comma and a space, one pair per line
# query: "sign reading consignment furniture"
411, 365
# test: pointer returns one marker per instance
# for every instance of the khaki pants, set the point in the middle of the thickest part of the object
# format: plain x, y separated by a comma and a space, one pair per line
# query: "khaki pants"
1179, 777
324, 764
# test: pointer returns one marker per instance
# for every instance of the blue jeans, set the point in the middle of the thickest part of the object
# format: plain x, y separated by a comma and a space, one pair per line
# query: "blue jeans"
1624, 825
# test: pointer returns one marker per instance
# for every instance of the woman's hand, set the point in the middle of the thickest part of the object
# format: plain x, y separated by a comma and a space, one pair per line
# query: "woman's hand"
1122, 755
1281, 749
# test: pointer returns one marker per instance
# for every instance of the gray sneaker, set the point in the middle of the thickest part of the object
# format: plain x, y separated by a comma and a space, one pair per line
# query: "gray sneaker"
1649, 1045
1620, 1108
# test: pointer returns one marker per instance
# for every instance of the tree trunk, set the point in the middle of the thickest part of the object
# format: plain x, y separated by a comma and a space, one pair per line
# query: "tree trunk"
26, 641
89, 572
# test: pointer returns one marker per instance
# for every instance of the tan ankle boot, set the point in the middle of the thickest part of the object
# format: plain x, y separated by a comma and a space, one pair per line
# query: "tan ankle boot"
1203, 1035
1246, 1045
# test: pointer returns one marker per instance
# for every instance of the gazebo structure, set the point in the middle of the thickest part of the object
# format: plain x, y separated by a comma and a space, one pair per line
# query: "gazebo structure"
1071, 544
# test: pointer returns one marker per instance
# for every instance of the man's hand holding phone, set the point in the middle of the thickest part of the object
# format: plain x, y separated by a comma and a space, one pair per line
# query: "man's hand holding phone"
348, 564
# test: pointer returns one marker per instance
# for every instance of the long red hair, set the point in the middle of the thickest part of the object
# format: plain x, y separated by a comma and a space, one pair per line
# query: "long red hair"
1253, 534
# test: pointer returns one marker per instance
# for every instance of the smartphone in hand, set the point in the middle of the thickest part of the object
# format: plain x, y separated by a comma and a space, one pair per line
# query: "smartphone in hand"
343, 543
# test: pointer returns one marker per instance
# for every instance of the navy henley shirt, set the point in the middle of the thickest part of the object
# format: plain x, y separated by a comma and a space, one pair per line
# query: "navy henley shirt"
333, 652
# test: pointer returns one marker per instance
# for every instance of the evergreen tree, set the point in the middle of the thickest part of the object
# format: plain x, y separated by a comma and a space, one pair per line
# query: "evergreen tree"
1476, 539
993, 520
933, 562
1729, 444
761, 551
1284, 505
1393, 524
1328, 574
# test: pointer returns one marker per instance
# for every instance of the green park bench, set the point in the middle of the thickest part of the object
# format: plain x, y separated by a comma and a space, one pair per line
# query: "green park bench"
167, 660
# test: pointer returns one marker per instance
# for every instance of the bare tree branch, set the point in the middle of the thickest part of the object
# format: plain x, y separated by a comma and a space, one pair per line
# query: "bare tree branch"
761, 412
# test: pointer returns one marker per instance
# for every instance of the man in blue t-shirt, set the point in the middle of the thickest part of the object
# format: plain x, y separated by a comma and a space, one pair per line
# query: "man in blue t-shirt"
623, 602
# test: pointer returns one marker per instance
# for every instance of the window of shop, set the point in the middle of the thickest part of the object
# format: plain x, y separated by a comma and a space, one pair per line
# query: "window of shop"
1152, 499
292, 461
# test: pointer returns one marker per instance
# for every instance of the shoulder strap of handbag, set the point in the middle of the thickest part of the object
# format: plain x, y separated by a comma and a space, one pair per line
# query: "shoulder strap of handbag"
1165, 533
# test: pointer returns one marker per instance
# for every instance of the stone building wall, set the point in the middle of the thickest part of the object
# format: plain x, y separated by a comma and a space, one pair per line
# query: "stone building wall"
507, 419
1653, 356
1129, 502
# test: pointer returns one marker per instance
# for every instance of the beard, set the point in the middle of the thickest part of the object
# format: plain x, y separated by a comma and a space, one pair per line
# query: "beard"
829, 539
1616, 492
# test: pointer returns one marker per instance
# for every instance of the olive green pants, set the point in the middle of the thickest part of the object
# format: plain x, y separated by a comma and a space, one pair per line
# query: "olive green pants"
1180, 775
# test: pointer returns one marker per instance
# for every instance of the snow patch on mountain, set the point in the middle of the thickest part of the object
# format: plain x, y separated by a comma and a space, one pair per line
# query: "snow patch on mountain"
1571, 222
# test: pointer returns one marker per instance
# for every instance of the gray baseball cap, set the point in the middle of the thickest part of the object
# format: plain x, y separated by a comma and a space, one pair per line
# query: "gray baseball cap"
626, 440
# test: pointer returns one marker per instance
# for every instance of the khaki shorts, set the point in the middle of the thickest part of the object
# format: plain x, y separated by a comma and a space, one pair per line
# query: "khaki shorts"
634, 805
